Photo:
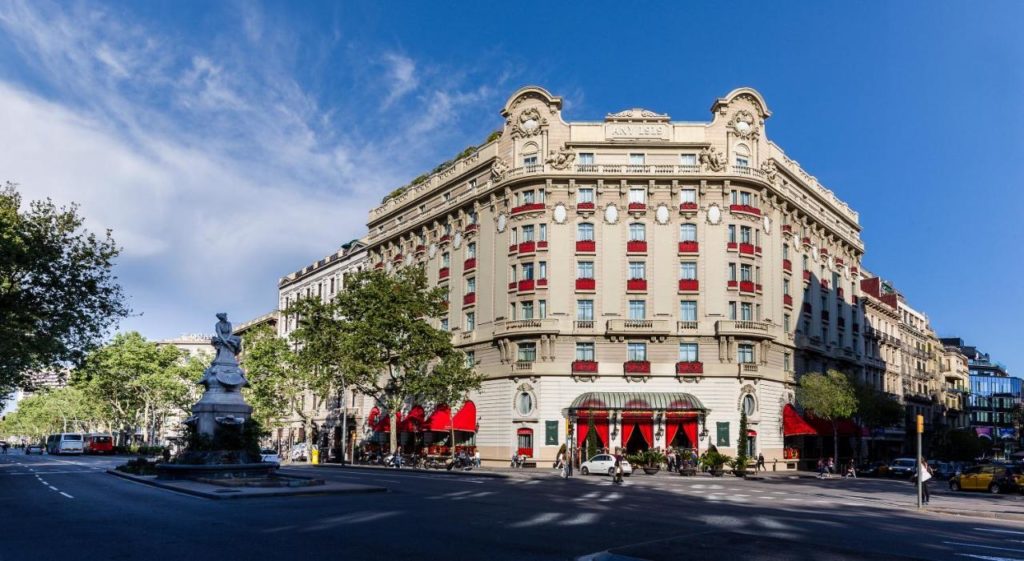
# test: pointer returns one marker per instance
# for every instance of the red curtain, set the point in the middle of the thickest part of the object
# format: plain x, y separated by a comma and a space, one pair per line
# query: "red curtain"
690, 428
582, 427
670, 433
602, 431
627, 431
647, 431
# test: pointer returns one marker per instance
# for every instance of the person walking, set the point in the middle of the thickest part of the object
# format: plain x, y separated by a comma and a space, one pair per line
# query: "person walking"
924, 472
759, 466
618, 468
851, 469
831, 466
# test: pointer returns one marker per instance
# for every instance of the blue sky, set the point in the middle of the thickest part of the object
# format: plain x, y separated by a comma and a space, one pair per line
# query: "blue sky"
230, 143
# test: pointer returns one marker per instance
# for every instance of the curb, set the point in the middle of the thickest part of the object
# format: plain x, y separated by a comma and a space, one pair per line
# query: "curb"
228, 496
453, 473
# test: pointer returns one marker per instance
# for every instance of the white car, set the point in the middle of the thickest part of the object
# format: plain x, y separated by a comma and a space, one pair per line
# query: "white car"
299, 453
602, 464
270, 456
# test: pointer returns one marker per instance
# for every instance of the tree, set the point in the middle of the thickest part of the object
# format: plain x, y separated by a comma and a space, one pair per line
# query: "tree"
828, 396
591, 439
876, 409
52, 411
450, 384
391, 349
270, 368
960, 445
741, 442
58, 293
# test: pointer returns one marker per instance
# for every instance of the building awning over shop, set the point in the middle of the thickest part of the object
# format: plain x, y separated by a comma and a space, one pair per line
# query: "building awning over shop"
637, 401
440, 420
413, 420
793, 424
823, 427
465, 419
379, 421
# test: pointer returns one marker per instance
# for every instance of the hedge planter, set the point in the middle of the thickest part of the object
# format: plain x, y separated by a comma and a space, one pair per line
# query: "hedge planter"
651, 470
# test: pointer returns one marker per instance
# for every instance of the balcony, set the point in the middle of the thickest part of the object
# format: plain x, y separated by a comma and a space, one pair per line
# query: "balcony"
806, 241
787, 229
687, 207
745, 209
841, 322
748, 368
636, 246
787, 300
513, 248
807, 275
586, 284
526, 285
585, 207
787, 265
732, 285
806, 308
636, 207
586, 246
528, 207
522, 366
527, 247
472, 228
749, 249
758, 288
511, 328
732, 246
689, 247
469, 299
397, 258
839, 292
824, 284
636, 285
689, 285
743, 328
542, 283
637, 367
443, 273
421, 249
644, 327
445, 239
583, 325
686, 325
824, 315
584, 366
469, 264
689, 367
747, 286
840, 262
823, 251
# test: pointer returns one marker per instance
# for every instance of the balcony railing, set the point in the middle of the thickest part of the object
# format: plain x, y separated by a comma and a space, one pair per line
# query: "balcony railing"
686, 325
585, 207
806, 308
747, 286
743, 328
787, 300
421, 249
586, 284
527, 247
513, 327
637, 367
748, 368
689, 367
471, 228
523, 366
807, 275
745, 209
639, 326
542, 282
824, 284
529, 207
469, 299
636, 207
526, 285
689, 247
513, 285
689, 285
732, 285
636, 246
583, 324
732, 246
443, 273
584, 366
687, 207
469, 264
586, 246
787, 265
787, 229
636, 285
748, 249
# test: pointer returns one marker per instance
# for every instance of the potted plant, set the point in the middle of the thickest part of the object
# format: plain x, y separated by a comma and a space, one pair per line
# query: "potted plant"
739, 465
649, 460
714, 462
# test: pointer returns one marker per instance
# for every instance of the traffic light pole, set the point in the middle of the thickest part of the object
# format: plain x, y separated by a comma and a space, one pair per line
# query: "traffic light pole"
920, 480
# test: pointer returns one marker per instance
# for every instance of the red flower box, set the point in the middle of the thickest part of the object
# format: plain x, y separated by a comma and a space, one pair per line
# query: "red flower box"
586, 284
689, 285
733, 284
636, 246
695, 367
469, 264
527, 247
731, 246
689, 247
443, 272
469, 299
787, 300
787, 265
636, 284
585, 206
745, 209
542, 282
589, 366
526, 285
542, 245
688, 207
637, 207
746, 286
586, 246
637, 366
747, 248
528, 208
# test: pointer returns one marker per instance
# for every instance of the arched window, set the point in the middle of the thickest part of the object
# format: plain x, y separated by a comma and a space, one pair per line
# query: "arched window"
742, 156
687, 232
584, 231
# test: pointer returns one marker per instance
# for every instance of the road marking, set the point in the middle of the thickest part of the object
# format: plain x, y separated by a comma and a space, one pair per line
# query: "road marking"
66, 495
1000, 531
52, 487
543, 518
989, 557
985, 546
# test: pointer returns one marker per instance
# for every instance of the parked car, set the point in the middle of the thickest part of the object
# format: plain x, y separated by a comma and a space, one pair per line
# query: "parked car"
902, 467
65, 443
34, 449
98, 444
873, 469
299, 453
269, 455
994, 478
942, 470
604, 463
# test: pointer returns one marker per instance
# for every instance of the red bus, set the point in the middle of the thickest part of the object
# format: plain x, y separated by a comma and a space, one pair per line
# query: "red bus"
99, 444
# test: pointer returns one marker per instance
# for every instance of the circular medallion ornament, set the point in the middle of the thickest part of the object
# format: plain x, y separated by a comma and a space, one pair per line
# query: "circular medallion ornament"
433, 250
457, 240
742, 127
560, 213
611, 214
767, 225
661, 214
408, 259
530, 125
714, 214
502, 222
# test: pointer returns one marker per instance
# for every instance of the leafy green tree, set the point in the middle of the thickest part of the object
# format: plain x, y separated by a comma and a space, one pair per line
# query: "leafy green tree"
741, 443
591, 439
58, 293
270, 368
391, 349
828, 396
958, 445
450, 383
60, 410
876, 409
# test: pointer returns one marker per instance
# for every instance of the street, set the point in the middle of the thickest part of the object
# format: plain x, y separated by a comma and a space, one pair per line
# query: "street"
68, 508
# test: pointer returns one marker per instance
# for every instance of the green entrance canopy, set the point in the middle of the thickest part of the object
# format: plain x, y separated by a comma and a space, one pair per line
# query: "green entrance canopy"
637, 401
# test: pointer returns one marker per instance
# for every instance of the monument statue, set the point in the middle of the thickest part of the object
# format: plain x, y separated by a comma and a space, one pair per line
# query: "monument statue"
222, 402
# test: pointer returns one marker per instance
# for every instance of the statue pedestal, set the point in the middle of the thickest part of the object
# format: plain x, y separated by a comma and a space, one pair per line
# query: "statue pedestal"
222, 403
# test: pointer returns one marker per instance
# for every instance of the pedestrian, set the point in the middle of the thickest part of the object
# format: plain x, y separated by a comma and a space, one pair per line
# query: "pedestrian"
851, 469
618, 468
821, 468
670, 459
831, 466
759, 466
924, 473
476, 458
515, 460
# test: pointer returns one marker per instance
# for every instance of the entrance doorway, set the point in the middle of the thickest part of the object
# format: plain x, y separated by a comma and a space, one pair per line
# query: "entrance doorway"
637, 434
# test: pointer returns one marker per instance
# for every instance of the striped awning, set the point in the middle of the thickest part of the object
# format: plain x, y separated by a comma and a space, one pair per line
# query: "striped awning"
636, 401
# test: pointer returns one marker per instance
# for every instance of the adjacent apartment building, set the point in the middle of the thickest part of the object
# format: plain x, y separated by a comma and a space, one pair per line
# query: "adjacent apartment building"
995, 397
645, 277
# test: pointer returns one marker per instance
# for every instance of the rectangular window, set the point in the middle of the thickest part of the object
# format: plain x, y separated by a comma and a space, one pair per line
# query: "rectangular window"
785, 286
745, 353
527, 271
470, 285
637, 270
688, 310
542, 308
332, 286
637, 232
514, 235
732, 271
512, 312
636, 159
688, 270
513, 269
526, 197
542, 270
688, 159
472, 185
527, 352
746, 311
745, 198
732, 310
785, 322
636, 351
785, 251
471, 250
527, 309
470, 321
688, 196
528, 233
584, 351
529, 161
745, 273
586, 158
688, 352
470, 359
722, 438
637, 309
687, 232
787, 362
742, 161
444, 324
732, 233
744, 234
585, 195
585, 231
585, 310
585, 270
637, 195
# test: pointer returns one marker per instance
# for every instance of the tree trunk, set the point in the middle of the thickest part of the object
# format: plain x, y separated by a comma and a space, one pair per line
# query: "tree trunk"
344, 427
835, 443
393, 434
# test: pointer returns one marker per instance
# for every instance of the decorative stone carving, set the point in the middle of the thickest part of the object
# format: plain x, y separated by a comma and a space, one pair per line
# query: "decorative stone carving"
408, 259
222, 402
528, 123
457, 240
711, 159
611, 214
661, 214
714, 214
767, 225
744, 124
561, 159
498, 169
771, 171
560, 213
433, 250
501, 222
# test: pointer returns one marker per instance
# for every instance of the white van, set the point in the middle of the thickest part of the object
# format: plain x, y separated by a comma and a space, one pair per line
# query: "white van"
64, 443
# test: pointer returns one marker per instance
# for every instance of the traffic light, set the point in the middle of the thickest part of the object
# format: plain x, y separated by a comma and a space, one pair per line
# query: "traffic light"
920, 424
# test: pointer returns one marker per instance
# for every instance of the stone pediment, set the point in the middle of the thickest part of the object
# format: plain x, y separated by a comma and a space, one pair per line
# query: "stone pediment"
636, 115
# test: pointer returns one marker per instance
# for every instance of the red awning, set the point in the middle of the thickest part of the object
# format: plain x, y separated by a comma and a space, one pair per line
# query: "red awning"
795, 425
440, 420
751, 433
381, 422
413, 421
465, 419
823, 427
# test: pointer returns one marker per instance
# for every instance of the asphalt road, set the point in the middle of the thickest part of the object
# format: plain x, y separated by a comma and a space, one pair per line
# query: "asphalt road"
68, 508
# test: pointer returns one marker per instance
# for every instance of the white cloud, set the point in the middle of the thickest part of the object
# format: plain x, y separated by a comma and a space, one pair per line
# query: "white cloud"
402, 77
